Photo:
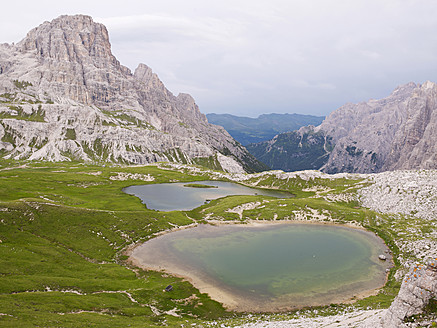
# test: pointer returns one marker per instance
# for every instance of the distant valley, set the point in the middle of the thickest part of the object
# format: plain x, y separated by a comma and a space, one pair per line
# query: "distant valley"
247, 130
294, 151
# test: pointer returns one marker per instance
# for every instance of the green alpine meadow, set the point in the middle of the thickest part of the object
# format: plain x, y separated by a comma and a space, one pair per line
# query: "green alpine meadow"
65, 229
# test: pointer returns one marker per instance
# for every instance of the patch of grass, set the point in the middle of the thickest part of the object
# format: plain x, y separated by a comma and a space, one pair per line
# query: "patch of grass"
37, 115
8, 135
70, 134
22, 84
8, 97
208, 162
184, 125
198, 185
61, 250
124, 119
176, 155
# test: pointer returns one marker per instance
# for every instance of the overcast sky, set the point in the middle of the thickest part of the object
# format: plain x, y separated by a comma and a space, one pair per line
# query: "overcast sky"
248, 57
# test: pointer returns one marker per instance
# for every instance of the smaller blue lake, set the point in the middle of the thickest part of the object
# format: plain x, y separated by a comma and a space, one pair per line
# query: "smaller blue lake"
185, 196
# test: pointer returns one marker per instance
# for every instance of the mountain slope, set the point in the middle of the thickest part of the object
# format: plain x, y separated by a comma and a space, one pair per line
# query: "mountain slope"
247, 130
293, 151
64, 96
397, 132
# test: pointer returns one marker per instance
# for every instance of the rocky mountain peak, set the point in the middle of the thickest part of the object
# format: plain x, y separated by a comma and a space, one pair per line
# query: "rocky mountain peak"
69, 38
144, 73
404, 89
73, 59
427, 89
64, 96
396, 132
188, 104
428, 85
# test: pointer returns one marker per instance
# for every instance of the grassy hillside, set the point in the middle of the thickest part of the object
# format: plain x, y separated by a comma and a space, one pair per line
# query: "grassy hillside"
64, 228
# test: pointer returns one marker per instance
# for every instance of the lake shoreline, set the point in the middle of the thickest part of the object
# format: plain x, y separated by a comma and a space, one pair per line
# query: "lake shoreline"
231, 300
183, 196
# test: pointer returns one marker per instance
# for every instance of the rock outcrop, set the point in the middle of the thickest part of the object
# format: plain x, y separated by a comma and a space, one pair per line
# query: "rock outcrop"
418, 287
64, 96
397, 132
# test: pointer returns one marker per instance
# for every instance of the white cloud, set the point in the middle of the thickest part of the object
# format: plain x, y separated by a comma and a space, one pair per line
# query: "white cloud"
220, 31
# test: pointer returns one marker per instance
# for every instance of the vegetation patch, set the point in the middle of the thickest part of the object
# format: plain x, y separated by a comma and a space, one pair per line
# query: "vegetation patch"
184, 125
198, 185
208, 162
125, 119
18, 113
22, 84
70, 134
293, 151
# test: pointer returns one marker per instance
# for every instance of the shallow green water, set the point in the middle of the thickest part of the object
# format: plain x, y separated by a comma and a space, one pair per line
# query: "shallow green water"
279, 265
179, 196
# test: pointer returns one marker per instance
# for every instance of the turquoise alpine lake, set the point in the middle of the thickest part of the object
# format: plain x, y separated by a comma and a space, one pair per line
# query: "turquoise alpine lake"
185, 196
271, 267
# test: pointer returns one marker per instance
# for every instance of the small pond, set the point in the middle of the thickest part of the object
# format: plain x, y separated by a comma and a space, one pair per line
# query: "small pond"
271, 267
185, 196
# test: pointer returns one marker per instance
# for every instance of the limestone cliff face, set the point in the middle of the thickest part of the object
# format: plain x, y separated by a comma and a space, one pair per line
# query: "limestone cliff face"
418, 287
397, 132
63, 95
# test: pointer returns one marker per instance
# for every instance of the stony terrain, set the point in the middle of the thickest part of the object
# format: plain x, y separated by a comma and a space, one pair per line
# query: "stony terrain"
407, 192
64, 96
413, 196
418, 287
394, 133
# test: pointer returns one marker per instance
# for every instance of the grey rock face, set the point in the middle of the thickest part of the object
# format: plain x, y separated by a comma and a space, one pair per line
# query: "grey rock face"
418, 287
397, 132
63, 95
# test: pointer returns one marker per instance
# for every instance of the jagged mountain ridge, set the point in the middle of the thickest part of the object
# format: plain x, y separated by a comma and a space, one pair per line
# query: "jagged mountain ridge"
393, 133
64, 96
